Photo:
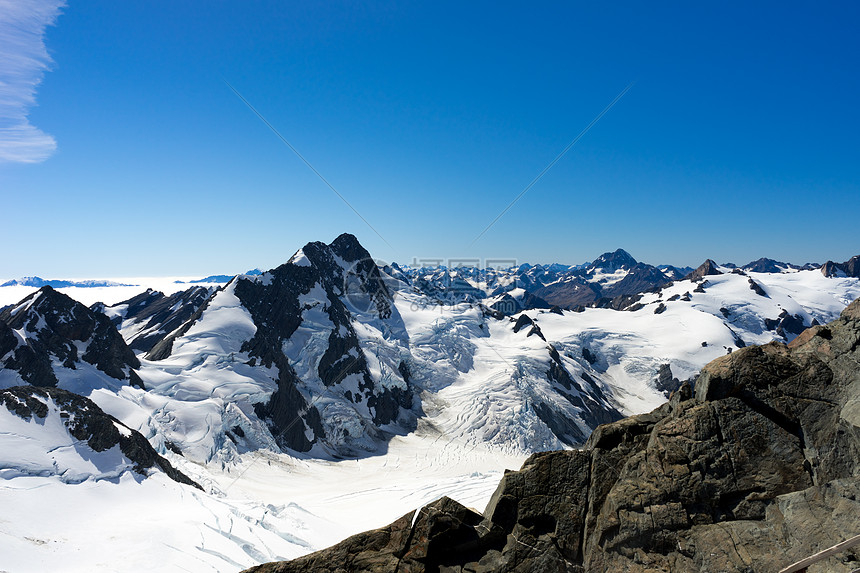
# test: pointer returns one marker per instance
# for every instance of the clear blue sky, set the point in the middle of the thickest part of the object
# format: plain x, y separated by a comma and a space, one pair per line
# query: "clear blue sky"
739, 138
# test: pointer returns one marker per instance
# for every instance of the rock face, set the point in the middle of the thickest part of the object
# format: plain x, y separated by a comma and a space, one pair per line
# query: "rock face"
756, 469
86, 422
769, 266
352, 284
850, 268
611, 262
48, 326
507, 305
151, 316
709, 267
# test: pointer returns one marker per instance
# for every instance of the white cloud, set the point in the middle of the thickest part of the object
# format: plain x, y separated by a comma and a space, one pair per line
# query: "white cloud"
23, 62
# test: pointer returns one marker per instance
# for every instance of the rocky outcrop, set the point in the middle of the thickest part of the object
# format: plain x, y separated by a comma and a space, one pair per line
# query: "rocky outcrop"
768, 266
508, 305
150, 316
86, 422
758, 468
707, 268
850, 268
786, 325
49, 327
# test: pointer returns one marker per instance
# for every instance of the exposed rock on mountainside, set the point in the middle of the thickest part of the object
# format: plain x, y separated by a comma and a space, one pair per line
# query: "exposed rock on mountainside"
508, 305
707, 268
769, 266
756, 469
611, 262
850, 268
48, 326
296, 326
342, 269
150, 316
86, 422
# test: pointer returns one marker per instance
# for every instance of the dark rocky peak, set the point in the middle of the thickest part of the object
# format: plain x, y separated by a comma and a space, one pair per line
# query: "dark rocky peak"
347, 247
52, 326
508, 305
347, 270
755, 470
117, 312
767, 266
850, 268
137, 305
640, 278
611, 262
707, 268
522, 321
349, 286
63, 314
831, 269
531, 301
8, 340
86, 422
152, 315
757, 288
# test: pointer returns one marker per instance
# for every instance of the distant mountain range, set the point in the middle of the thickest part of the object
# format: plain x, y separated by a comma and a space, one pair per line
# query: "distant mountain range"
324, 338
39, 282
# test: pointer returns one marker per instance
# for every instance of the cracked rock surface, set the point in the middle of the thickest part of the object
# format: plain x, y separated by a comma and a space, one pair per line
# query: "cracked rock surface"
756, 469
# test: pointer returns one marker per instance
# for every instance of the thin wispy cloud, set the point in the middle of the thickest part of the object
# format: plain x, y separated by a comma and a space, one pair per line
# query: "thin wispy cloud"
23, 62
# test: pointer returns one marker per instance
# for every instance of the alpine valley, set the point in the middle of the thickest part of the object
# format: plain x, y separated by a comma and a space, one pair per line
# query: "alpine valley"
217, 424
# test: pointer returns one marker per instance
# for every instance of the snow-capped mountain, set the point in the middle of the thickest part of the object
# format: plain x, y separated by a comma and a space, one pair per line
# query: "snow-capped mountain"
147, 318
282, 393
850, 268
48, 337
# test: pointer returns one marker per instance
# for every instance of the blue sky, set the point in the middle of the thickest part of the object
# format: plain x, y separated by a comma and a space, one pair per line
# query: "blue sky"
124, 152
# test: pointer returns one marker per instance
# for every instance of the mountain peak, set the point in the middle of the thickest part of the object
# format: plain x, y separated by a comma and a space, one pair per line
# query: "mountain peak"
347, 247
53, 326
709, 267
611, 262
